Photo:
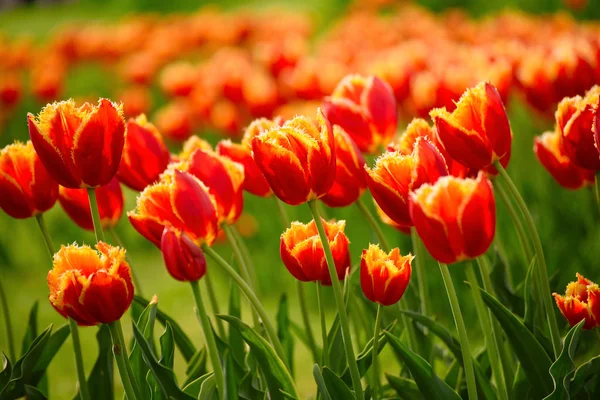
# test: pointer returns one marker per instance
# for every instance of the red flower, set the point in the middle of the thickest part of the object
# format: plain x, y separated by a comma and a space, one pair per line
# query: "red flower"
11, 89
79, 146
145, 155
178, 79
302, 251
384, 277
26, 188
366, 109
183, 258
76, 204
580, 302
92, 287
388, 221
297, 159
174, 121
455, 218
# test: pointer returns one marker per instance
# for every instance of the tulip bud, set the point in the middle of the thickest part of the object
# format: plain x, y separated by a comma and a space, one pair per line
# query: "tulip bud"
384, 277
580, 302
183, 258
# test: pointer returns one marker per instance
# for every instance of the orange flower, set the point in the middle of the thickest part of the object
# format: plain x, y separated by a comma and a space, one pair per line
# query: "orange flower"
76, 204
26, 188
384, 277
136, 100
79, 146
92, 287
11, 89
550, 152
183, 258
395, 175
297, 159
581, 301
365, 108
575, 120
145, 155
302, 251
350, 181
174, 121
477, 132
178, 200
178, 79
455, 218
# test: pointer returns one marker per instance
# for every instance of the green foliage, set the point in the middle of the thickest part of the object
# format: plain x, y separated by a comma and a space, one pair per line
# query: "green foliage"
563, 369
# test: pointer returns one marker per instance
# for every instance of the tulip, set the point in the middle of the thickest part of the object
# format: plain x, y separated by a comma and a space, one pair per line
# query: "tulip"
580, 302
254, 181
183, 258
477, 132
455, 218
550, 152
11, 89
575, 122
190, 146
76, 204
80, 147
384, 277
136, 100
302, 251
388, 221
174, 121
26, 188
395, 175
178, 79
92, 287
366, 109
297, 159
145, 155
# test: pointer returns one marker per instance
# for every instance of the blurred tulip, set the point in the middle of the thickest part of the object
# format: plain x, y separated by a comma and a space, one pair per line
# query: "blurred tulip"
366, 109
80, 147
174, 121
302, 251
76, 204
297, 159
136, 100
145, 155
183, 258
11, 89
26, 188
384, 277
580, 302
191, 145
92, 287
178, 79
395, 175
455, 218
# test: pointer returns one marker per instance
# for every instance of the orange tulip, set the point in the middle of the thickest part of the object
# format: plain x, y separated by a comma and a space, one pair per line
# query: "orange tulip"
455, 218
550, 152
477, 132
178, 79
388, 221
136, 100
384, 277
366, 109
174, 121
26, 188
92, 287
395, 175
297, 159
302, 251
80, 147
145, 155
11, 89
76, 204
183, 258
580, 302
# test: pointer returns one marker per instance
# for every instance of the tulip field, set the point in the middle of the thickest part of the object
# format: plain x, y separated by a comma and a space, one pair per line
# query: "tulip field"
331, 200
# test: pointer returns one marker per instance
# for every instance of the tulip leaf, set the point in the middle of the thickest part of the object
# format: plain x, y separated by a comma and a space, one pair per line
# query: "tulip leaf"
429, 384
236, 343
31, 332
197, 367
208, 389
439, 330
273, 368
283, 331
55, 342
249, 388
136, 358
33, 393
407, 389
321, 385
336, 346
102, 376
529, 316
586, 380
563, 369
336, 387
6, 372
527, 348
167, 349
520, 387
193, 388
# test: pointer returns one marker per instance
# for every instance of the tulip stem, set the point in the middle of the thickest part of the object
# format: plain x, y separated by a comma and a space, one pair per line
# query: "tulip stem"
485, 322
375, 344
420, 267
374, 225
47, 239
214, 304
84, 391
325, 360
120, 351
541, 261
462, 332
209, 338
246, 253
136, 281
95, 215
271, 332
7, 324
339, 300
597, 189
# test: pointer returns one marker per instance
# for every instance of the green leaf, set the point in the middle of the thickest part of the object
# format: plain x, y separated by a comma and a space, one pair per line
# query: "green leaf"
529, 351
183, 342
529, 316
208, 389
439, 330
283, 331
429, 384
520, 387
336, 347
167, 347
586, 380
233, 375
55, 342
563, 368
248, 389
136, 358
102, 376
272, 366
236, 343
197, 367
336, 386
33, 393
31, 332
6, 372
406, 388
193, 388
321, 382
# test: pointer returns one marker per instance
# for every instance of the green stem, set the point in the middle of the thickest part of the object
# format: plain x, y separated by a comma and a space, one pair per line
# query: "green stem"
246, 254
503, 255
490, 343
209, 338
47, 239
271, 332
120, 351
462, 332
118, 242
375, 343
421, 275
546, 298
373, 224
7, 324
306, 320
325, 360
283, 214
84, 391
95, 215
339, 300
597, 189
214, 304
412, 340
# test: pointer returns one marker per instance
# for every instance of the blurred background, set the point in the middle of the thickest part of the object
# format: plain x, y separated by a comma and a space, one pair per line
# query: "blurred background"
209, 68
